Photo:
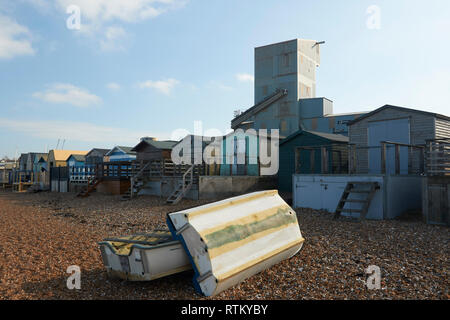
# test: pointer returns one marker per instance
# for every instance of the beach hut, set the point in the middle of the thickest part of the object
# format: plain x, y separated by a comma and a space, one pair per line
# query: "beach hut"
152, 149
409, 127
308, 152
59, 171
389, 156
40, 169
77, 170
95, 156
121, 154
58, 158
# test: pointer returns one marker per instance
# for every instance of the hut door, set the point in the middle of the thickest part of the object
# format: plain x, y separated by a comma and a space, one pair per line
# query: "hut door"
308, 161
390, 130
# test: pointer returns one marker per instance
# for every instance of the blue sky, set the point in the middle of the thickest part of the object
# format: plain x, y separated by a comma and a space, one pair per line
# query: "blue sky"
149, 67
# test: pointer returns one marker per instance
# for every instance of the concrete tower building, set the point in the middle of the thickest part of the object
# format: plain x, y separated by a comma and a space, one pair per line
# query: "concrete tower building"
285, 92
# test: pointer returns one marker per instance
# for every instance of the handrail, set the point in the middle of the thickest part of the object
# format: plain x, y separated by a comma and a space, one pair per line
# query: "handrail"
137, 175
403, 144
278, 94
397, 146
191, 173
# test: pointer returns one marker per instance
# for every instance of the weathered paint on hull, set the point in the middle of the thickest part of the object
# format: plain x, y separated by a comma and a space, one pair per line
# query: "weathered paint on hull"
231, 240
144, 258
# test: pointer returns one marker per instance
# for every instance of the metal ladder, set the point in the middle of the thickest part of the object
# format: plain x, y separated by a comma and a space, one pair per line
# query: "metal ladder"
352, 188
182, 188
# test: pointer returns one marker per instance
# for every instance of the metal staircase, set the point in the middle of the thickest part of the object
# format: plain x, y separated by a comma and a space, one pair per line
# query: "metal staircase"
183, 187
357, 187
277, 95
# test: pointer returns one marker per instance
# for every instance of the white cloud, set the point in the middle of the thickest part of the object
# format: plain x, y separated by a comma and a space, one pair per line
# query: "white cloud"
41, 4
15, 39
76, 131
163, 86
245, 77
113, 86
100, 11
68, 94
113, 37
99, 18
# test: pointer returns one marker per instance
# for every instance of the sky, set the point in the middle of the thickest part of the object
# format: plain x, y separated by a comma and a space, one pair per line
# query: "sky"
156, 68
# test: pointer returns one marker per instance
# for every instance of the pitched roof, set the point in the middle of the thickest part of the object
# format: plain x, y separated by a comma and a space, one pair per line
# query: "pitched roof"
328, 136
388, 106
37, 155
43, 158
62, 155
127, 150
101, 151
23, 157
77, 157
163, 145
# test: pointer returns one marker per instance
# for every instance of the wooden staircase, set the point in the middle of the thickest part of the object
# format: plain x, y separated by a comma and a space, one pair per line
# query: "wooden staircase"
357, 187
92, 185
137, 182
183, 187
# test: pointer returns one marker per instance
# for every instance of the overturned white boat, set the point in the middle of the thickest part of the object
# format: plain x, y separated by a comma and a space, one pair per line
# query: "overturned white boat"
144, 257
231, 240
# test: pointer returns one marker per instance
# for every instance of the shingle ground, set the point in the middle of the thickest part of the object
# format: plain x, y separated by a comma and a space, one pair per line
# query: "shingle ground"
42, 234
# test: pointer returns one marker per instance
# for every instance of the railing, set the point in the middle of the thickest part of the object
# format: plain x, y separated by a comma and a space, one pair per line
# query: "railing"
151, 169
137, 175
333, 159
189, 172
397, 156
116, 170
360, 158
437, 156
82, 174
